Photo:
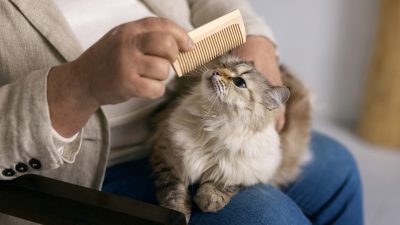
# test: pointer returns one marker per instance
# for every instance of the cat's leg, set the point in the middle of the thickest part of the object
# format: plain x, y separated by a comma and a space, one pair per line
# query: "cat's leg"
211, 197
171, 189
174, 195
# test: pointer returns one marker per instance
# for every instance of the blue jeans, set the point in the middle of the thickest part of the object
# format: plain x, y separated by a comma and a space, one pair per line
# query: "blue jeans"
327, 192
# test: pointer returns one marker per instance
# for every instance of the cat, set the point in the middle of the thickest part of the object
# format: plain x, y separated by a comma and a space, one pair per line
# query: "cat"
219, 133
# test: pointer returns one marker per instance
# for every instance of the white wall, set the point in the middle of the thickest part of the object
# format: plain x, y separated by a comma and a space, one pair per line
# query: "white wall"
329, 44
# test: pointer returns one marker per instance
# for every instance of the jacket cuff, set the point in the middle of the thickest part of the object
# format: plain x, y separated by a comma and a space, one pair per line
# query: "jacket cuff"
26, 144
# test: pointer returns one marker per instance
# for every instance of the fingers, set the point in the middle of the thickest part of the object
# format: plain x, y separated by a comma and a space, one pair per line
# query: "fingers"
150, 44
154, 68
149, 88
158, 43
280, 123
157, 24
280, 119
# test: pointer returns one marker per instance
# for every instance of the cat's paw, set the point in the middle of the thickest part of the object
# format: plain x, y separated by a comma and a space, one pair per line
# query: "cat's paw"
210, 199
184, 209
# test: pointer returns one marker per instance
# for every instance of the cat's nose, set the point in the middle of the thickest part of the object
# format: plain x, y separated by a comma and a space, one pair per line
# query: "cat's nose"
215, 73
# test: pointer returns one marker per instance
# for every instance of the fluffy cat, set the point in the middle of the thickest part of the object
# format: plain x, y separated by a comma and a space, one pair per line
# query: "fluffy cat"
221, 135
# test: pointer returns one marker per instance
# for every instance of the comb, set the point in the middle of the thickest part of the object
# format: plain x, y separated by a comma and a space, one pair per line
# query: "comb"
212, 40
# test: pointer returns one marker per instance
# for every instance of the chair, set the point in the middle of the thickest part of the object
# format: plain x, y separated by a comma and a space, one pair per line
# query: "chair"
48, 201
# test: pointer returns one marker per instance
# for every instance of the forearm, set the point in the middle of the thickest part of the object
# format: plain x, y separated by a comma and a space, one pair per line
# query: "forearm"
262, 52
69, 103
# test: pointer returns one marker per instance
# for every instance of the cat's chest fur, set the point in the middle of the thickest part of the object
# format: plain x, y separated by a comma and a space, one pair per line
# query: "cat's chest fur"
223, 150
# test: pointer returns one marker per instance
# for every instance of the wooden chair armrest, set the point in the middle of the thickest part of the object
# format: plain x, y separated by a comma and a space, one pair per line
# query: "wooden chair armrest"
49, 201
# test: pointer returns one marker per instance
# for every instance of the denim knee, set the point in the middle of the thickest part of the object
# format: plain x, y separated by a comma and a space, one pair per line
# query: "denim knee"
334, 179
257, 205
337, 160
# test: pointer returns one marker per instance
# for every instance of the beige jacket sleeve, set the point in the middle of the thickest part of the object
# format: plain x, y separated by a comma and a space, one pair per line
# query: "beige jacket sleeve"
26, 141
203, 11
25, 136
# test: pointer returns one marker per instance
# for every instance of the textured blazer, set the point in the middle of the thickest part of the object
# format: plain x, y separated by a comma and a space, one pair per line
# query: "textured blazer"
34, 36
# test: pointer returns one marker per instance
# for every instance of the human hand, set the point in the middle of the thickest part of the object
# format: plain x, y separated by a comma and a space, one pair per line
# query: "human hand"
131, 60
262, 52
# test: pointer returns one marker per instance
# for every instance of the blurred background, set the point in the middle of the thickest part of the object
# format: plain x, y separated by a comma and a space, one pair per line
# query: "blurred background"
336, 47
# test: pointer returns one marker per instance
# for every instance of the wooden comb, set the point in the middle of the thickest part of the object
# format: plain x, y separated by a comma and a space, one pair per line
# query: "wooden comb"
212, 40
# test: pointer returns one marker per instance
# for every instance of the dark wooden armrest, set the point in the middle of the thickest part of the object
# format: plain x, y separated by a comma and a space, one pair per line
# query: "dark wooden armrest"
48, 201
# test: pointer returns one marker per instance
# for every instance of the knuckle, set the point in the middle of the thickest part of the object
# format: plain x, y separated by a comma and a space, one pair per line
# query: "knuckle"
144, 89
119, 36
156, 22
171, 47
163, 75
159, 90
158, 69
169, 41
135, 89
164, 22
164, 67
149, 21
120, 30
116, 30
156, 66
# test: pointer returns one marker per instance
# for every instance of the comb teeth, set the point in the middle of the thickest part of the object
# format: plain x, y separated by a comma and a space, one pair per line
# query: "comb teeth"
211, 47
212, 40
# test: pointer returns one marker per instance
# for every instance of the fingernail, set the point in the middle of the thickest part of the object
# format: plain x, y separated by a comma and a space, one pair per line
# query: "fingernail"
190, 44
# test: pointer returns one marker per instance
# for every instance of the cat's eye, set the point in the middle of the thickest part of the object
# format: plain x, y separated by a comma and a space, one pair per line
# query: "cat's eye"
239, 82
246, 72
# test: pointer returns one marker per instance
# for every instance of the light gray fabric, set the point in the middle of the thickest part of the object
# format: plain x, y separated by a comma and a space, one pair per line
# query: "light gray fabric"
204, 11
194, 13
34, 36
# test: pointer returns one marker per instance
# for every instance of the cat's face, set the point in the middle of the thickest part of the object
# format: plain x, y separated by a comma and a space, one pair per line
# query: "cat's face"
237, 83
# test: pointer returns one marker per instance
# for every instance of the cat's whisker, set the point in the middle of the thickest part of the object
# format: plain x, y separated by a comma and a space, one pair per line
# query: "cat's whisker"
212, 105
212, 97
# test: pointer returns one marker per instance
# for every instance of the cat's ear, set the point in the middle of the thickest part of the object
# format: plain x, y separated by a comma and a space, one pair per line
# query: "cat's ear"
275, 97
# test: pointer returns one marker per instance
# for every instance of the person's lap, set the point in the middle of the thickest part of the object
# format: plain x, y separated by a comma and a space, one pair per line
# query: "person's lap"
327, 192
329, 189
